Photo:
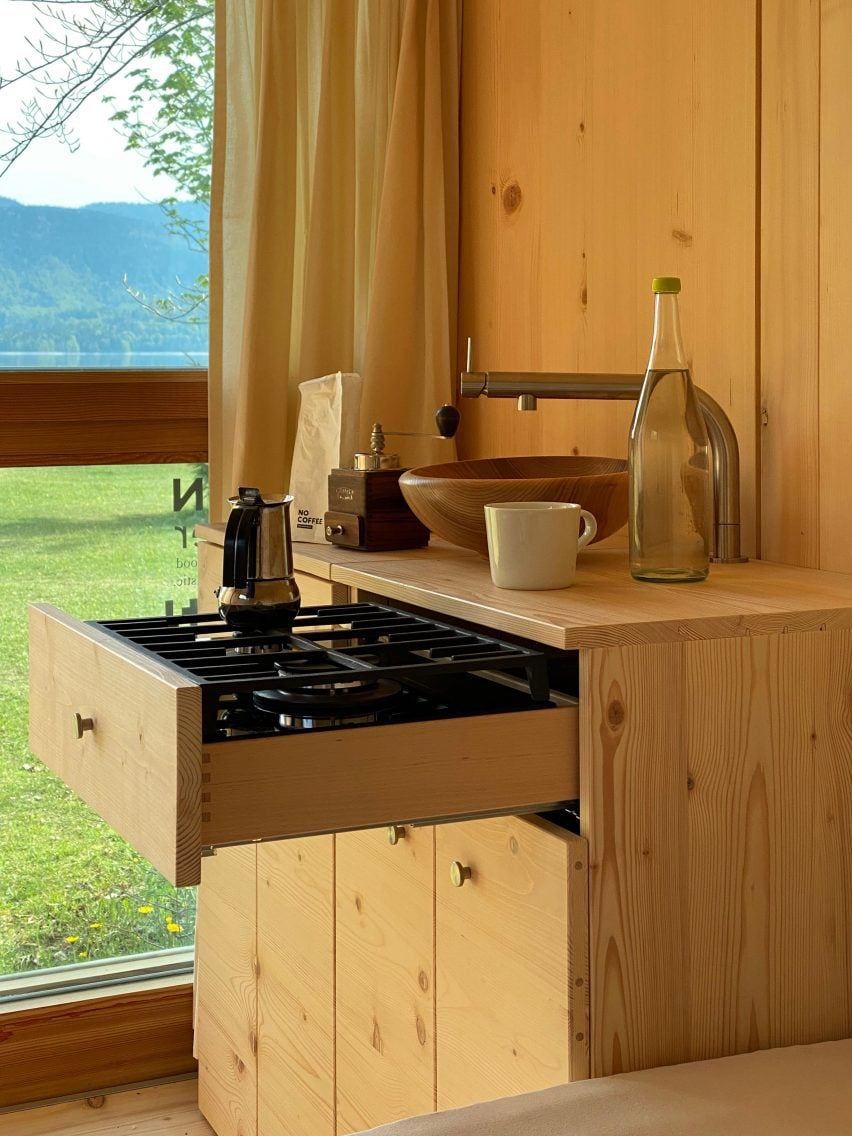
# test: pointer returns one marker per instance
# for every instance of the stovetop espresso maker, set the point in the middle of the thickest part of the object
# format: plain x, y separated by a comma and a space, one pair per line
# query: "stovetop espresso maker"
258, 591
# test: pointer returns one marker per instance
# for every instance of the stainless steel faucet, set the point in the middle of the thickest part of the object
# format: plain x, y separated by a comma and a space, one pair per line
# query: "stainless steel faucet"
527, 387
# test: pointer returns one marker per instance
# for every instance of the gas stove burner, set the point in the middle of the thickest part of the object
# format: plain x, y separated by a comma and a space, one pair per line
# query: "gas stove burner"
338, 700
339, 665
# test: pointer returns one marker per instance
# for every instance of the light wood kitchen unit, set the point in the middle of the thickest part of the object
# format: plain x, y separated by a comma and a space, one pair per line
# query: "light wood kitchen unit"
713, 738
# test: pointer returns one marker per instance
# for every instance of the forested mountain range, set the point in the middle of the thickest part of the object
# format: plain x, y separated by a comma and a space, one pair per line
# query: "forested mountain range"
63, 273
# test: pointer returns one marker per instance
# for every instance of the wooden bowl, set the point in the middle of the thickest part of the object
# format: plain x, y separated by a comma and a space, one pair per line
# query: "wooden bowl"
449, 498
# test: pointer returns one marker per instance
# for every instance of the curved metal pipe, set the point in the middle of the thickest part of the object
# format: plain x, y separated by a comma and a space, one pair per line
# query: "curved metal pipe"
723, 440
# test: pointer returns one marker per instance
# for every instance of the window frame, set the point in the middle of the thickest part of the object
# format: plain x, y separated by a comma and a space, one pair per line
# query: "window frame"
80, 1045
102, 417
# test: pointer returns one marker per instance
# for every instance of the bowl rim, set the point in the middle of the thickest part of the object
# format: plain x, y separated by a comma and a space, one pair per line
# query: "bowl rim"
431, 471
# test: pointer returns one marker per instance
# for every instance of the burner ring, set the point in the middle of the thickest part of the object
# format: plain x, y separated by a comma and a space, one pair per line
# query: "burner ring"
330, 699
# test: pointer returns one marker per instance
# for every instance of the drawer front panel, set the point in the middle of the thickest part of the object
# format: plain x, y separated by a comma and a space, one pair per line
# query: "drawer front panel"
137, 760
139, 763
336, 780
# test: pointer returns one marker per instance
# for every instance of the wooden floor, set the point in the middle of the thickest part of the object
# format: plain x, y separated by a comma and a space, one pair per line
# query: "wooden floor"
166, 1110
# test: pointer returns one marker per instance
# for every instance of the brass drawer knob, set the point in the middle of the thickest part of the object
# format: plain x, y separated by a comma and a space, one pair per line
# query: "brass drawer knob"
396, 832
459, 873
82, 725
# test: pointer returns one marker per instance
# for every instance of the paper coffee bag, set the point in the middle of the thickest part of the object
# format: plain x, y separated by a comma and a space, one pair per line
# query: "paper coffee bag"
326, 439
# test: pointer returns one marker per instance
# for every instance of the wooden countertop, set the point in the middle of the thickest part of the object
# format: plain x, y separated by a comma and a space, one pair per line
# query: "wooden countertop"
604, 607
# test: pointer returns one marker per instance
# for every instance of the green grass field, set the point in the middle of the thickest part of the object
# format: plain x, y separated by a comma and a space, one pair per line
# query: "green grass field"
99, 542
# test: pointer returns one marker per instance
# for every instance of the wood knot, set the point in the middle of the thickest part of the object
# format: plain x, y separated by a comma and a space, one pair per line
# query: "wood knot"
690, 783
512, 197
358, 904
423, 980
95, 1102
376, 1040
682, 237
421, 1030
615, 714
514, 847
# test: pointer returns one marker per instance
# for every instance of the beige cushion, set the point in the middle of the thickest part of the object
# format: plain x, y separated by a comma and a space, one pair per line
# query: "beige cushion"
778, 1092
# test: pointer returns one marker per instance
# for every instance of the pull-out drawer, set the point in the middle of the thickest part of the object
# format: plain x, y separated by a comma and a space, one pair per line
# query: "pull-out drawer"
124, 732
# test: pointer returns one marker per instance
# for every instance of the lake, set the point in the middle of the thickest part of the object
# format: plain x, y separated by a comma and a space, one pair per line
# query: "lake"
88, 360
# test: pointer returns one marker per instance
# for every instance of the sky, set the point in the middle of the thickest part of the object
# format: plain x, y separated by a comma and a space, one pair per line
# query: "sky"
48, 173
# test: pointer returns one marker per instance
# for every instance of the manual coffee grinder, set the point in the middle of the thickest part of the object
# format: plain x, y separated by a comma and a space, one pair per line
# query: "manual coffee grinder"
366, 508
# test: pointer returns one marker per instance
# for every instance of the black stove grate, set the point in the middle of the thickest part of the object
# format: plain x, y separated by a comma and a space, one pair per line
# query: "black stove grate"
326, 643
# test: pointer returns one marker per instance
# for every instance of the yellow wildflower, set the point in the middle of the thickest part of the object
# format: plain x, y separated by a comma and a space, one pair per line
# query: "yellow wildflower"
174, 927
145, 909
83, 954
72, 938
95, 926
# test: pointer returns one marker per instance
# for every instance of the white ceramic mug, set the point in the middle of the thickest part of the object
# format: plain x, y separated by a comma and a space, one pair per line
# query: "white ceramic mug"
532, 545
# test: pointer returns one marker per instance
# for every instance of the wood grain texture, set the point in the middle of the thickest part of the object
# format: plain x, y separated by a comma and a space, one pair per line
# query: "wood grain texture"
74, 419
605, 606
332, 780
504, 986
385, 977
89, 1046
634, 776
296, 987
789, 282
226, 995
835, 285
624, 177
449, 498
209, 574
718, 804
142, 759
161, 1110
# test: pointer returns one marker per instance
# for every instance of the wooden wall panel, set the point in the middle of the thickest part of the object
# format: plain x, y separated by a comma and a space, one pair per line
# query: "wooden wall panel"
789, 282
835, 291
605, 142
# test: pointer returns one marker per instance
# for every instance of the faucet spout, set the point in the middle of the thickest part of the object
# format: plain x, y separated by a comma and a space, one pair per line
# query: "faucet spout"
723, 440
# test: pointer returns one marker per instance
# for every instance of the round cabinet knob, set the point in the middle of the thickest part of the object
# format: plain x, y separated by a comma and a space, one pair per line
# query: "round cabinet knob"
82, 725
459, 873
396, 832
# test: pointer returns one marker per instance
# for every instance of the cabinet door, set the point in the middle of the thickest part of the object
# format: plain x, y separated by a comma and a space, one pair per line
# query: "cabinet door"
385, 987
225, 995
295, 906
511, 935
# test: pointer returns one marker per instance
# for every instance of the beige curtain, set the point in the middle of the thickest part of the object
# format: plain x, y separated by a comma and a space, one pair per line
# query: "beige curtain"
334, 222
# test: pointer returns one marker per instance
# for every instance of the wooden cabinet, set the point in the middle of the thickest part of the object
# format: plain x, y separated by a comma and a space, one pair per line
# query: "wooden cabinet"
226, 991
385, 976
385, 991
295, 943
510, 934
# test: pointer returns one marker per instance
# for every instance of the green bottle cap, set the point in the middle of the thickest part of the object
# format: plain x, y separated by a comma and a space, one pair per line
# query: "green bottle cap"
665, 284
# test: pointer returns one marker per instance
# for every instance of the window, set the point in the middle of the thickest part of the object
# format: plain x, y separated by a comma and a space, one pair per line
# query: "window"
103, 435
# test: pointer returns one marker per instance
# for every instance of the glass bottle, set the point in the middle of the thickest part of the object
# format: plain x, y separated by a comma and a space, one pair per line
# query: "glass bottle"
669, 467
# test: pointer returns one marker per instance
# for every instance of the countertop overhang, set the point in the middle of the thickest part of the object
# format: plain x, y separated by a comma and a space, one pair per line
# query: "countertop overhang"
604, 608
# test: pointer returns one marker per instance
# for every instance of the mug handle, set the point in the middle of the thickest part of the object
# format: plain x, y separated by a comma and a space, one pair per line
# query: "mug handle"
590, 528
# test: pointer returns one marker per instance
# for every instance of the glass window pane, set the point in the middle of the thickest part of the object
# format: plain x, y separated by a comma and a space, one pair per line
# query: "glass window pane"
100, 542
103, 216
